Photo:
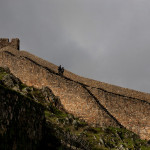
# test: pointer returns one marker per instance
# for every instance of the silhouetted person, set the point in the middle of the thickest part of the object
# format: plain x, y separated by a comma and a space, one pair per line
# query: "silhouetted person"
62, 70
59, 69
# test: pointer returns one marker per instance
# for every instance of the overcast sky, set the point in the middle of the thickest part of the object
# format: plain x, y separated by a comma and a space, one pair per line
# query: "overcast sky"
106, 40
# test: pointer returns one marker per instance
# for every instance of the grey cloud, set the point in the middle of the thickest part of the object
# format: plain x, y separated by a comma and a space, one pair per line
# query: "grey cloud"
107, 40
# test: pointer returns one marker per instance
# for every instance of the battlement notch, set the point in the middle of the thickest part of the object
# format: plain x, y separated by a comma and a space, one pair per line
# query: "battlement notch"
15, 43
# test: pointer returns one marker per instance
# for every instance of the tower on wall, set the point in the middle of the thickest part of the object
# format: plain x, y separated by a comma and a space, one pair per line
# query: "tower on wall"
15, 43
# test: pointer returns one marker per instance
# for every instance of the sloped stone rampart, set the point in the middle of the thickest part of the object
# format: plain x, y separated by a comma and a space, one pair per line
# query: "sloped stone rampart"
96, 102
86, 81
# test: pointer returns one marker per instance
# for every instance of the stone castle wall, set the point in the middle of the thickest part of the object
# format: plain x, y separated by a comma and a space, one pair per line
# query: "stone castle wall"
131, 112
15, 43
95, 105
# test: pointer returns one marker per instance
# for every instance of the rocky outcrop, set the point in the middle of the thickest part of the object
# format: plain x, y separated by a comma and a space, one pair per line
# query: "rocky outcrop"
21, 121
22, 115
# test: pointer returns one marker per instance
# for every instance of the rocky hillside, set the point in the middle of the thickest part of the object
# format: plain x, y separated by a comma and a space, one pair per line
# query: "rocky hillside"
35, 119
22, 118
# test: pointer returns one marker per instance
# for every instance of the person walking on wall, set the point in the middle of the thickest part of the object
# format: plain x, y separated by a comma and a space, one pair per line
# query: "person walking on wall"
60, 70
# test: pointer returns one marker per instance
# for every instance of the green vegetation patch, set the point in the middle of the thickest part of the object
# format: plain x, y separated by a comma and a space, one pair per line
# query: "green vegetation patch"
97, 138
2, 73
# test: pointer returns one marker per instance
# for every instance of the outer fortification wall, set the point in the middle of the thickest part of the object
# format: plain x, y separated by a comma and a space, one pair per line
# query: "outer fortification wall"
95, 105
15, 43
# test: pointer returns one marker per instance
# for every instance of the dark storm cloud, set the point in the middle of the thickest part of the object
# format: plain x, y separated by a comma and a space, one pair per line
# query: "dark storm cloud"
107, 40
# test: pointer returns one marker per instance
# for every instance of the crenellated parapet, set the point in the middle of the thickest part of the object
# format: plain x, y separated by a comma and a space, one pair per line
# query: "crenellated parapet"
15, 43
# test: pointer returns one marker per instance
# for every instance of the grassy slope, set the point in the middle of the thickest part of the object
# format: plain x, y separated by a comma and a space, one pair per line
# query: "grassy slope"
97, 138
